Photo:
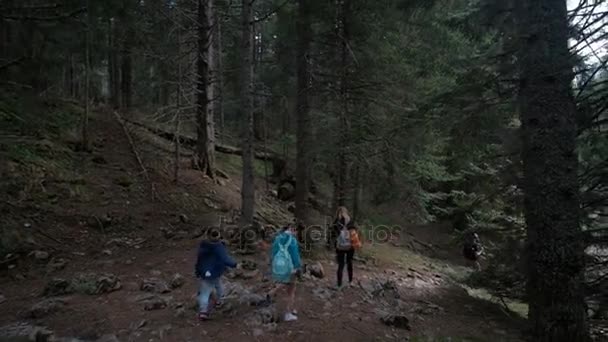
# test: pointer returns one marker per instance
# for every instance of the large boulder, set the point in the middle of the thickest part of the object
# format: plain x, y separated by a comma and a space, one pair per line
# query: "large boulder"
316, 270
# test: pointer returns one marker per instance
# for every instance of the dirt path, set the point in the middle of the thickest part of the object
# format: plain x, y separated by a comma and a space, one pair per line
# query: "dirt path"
435, 308
144, 239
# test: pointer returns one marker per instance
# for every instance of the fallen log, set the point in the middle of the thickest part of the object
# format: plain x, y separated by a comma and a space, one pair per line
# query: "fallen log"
190, 142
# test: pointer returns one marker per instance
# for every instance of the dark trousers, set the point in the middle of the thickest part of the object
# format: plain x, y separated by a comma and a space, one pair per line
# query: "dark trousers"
345, 257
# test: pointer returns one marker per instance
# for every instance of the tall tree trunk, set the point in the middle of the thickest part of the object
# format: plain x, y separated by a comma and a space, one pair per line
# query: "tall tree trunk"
204, 88
112, 67
125, 84
343, 120
72, 79
87, 79
304, 131
115, 68
163, 96
126, 63
555, 251
219, 75
245, 112
178, 100
356, 191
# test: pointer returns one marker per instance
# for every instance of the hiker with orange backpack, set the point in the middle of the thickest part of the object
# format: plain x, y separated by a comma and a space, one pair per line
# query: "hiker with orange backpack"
347, 242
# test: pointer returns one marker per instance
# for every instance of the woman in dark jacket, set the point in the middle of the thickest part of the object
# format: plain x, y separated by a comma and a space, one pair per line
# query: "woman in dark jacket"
342, 229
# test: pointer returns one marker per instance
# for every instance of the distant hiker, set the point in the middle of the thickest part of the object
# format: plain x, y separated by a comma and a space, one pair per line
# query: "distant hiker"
211, 263
472, 250
347, 242
285, 267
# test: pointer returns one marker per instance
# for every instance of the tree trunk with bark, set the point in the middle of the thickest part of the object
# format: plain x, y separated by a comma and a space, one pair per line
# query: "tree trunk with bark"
356, 192
219, 75
304, 131
555, 250
113, 72
87, 79
126, 62
204, 88
343, 37
245, 112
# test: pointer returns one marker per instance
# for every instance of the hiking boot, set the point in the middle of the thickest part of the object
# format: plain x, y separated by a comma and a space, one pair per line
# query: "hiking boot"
203, 316
289, 317
218, 304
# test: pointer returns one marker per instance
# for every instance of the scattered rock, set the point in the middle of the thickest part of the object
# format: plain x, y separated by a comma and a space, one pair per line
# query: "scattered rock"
180, 312
38, 334
156, 273
108, 338
58, 287
257, 332
22, 331
107, 283
198, 232
322, 293
46, 307
155, 302
220, 182
177, 281
210, 203
168, 233
395, 320
183, 218
139, 325
93, 284
316, 270
154, 285
106, 252
262, 316
164, 331
56, 265
252, 299
41, 255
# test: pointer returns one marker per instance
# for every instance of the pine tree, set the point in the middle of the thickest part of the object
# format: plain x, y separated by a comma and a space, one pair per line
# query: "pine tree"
555, 250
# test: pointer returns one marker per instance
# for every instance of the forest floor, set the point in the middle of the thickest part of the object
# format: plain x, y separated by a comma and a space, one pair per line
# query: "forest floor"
99, 237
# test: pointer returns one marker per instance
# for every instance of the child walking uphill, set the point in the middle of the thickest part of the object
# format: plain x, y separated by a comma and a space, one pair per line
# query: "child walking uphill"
211, 263
285, 264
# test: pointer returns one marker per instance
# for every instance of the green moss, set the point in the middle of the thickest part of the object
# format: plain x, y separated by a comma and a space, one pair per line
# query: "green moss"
233, 164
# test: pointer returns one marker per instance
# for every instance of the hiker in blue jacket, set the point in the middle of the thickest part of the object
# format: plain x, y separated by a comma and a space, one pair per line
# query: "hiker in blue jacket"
211, 263
285, 263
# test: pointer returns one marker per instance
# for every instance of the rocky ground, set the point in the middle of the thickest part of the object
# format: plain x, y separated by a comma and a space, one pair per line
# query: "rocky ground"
108, 255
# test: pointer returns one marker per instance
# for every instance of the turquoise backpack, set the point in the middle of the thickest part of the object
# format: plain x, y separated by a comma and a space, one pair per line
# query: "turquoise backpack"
282, 265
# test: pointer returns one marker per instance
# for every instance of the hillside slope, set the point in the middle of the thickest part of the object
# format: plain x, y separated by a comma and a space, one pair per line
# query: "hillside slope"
95, 257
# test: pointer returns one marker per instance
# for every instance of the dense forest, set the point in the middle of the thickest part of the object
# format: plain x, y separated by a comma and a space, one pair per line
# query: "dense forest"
485, 115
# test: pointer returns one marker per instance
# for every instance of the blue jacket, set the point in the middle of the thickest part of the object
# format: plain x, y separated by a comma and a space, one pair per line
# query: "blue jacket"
294, 249
212, 257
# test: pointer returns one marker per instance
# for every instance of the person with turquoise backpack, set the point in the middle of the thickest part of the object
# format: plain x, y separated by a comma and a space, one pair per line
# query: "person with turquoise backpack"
286, 267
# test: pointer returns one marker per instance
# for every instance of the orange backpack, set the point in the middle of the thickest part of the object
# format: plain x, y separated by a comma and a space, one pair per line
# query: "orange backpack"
354, 239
